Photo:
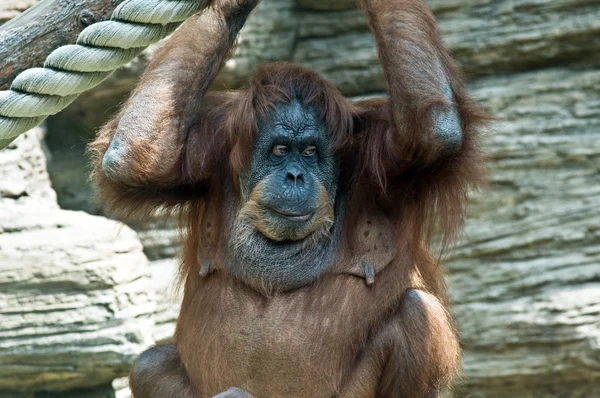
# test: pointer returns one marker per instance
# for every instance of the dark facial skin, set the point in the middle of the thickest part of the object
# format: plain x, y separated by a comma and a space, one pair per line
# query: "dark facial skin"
295, 168
284, 235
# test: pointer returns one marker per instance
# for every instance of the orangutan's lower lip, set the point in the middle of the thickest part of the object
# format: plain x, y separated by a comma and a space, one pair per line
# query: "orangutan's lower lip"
304, 217
295, 216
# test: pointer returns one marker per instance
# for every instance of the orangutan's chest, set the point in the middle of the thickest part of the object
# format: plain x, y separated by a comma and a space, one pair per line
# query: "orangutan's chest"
303, 340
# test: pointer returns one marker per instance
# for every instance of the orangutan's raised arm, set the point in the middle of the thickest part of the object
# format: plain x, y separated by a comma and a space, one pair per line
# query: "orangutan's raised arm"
156, 150
144, 145
424, 86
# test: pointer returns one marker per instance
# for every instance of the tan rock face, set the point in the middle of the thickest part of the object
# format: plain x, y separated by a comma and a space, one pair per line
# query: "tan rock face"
23, 174
525, 281
75, 302
11, 8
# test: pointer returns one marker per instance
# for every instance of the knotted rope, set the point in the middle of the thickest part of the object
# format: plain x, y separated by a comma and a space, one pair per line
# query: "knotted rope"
101, 48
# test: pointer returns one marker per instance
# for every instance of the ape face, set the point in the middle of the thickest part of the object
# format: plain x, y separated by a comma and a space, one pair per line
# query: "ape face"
290, 189
284, 236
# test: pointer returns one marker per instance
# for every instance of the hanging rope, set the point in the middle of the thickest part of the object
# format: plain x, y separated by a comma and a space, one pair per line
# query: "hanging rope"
101, 48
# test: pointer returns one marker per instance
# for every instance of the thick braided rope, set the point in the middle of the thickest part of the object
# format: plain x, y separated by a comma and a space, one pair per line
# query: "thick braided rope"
101, 48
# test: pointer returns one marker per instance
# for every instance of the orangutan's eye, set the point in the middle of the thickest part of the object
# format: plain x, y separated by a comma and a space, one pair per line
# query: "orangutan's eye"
309, 151
280, 150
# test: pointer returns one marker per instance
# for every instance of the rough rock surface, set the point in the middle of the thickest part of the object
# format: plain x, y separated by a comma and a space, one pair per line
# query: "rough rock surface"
526, 279
75, 299
23, 174
11, 8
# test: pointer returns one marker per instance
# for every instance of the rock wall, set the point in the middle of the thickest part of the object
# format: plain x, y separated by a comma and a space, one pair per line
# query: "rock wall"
525, 281
11, 8
23, 170
525, 278
76, 299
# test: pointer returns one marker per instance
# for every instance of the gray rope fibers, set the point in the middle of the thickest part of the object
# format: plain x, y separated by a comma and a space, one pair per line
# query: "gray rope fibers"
101, 48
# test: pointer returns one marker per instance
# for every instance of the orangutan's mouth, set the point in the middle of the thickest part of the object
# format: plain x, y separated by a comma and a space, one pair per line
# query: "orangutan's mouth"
295, 216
